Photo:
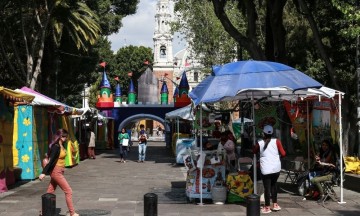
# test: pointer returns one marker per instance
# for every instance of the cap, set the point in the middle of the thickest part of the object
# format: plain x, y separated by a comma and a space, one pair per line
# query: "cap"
268, 129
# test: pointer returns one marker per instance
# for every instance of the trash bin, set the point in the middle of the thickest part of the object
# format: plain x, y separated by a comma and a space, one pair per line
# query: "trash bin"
253, 205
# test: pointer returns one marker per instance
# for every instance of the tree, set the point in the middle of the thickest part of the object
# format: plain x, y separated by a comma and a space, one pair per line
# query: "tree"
209, 42
23, 42
28, 28
131, 59
321, 45
111, 13
77, 21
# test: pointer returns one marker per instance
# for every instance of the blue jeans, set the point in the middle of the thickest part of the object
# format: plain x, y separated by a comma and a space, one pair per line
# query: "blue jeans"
142, 151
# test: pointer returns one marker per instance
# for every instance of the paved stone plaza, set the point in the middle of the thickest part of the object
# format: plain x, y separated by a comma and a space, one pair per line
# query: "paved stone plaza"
107, 187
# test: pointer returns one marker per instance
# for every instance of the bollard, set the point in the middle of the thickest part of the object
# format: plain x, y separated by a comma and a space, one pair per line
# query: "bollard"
48, 204
150, 204
253, 205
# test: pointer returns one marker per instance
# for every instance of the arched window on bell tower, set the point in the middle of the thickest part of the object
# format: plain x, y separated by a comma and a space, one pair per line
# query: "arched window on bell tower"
162, 51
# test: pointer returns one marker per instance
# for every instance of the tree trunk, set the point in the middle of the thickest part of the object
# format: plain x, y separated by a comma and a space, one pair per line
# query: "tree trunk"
275, 31
250, 42
319, 44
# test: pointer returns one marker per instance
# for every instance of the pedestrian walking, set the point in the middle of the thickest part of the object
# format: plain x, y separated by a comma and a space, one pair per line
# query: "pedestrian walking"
56, 167
124, 140
143, 131
142, 148
91, 146
270, 150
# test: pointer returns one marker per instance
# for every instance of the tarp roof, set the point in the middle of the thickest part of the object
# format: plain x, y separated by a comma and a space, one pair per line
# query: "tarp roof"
43, 100
182, 113
16, 96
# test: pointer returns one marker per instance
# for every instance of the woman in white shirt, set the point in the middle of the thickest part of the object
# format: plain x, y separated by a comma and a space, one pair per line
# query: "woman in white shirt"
270, 150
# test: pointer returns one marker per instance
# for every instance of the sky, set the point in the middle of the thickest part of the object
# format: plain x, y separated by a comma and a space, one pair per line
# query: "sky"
138, 29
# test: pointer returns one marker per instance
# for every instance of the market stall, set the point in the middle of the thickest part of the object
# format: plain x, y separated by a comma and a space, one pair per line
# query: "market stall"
178, 119
34, 125
8, 100
260, 80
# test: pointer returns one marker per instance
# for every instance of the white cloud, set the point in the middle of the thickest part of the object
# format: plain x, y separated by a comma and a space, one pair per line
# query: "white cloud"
138, 29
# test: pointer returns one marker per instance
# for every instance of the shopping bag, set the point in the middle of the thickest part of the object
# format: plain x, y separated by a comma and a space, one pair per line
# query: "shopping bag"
125, 142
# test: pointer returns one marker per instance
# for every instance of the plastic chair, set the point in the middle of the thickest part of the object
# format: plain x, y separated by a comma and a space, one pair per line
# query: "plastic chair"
296, 167
328, 186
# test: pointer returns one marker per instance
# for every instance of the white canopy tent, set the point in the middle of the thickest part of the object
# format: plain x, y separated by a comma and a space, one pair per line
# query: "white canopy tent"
185, 113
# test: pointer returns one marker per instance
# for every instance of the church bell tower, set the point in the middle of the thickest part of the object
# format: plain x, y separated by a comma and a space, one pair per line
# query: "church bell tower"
163, 66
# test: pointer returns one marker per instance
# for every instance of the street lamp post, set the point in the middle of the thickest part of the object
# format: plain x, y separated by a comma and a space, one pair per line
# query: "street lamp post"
84, 96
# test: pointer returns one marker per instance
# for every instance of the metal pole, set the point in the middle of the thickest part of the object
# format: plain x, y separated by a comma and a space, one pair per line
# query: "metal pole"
308, 133
254, 143
357, 60
341, 151
201, 151
83, 105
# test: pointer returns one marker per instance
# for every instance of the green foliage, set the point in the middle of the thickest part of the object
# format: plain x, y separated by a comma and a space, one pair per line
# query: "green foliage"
111, 13
351, 12
130, 59
210, 43
79, 22
71, 43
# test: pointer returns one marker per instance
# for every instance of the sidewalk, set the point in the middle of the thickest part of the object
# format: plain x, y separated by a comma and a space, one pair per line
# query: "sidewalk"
106, 187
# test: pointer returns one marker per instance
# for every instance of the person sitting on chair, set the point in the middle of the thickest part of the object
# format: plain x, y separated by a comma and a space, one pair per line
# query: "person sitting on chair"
326, 161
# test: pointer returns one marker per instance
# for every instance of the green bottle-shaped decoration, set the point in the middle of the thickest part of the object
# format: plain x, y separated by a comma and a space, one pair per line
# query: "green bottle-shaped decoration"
118, 93
164, 93
132, 93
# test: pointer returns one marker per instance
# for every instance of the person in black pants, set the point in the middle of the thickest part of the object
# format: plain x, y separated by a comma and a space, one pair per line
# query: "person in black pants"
270, 149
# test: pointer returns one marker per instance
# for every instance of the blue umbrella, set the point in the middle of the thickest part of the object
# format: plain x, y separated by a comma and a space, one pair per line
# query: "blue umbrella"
246, 79
252, 80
